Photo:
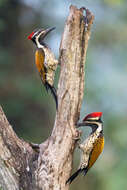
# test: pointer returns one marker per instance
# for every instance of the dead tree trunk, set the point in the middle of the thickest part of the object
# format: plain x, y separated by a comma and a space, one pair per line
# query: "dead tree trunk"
21, 167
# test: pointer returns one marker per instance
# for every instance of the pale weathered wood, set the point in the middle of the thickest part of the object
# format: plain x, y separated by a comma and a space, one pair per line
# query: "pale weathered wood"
55, 162
47, 167
16, 159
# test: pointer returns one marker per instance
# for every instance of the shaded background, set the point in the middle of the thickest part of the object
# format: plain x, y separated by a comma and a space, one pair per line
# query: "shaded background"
31, 111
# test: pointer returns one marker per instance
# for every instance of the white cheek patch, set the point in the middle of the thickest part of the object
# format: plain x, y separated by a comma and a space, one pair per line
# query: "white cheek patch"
34, 34
37, 40
100, 127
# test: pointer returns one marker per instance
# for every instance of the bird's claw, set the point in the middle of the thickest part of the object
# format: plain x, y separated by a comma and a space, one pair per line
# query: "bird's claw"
77, 135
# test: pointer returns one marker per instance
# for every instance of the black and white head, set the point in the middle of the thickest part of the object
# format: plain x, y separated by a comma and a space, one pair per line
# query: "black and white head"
93, 120
38, 36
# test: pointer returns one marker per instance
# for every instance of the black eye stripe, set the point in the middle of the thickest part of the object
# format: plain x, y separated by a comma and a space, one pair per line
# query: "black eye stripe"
37, 32
95, 120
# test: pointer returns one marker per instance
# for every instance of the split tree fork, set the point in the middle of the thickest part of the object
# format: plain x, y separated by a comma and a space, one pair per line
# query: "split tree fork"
21, 166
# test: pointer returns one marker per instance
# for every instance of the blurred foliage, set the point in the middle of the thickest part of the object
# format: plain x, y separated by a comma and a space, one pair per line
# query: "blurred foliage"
29, 108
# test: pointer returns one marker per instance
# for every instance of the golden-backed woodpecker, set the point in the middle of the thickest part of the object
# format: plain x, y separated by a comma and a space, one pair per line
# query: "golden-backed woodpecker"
92, 147
45, 60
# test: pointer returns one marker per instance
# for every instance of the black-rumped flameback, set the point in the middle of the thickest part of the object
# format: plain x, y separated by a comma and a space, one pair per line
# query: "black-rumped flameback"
45, 60
92, 147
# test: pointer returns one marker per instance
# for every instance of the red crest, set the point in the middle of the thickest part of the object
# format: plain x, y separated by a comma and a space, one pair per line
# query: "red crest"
30, 36
93, 115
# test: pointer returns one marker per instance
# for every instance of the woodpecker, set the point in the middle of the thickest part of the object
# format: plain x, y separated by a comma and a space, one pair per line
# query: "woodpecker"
92, 147
45, 61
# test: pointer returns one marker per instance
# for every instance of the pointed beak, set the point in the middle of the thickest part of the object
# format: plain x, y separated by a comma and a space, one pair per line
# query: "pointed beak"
50, 29
84, 123
81, 124
47, 31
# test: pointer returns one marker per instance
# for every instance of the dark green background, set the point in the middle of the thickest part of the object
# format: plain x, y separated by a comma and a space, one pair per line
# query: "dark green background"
31, 111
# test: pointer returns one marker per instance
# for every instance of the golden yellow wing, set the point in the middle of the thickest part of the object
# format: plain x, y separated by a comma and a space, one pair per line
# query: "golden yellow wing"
97, 149
39, 60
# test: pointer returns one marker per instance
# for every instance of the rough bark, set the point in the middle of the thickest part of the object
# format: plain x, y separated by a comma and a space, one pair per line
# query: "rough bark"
16, 159
21, 167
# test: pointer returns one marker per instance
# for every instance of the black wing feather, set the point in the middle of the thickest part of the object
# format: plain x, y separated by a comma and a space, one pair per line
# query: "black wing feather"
53, 92
84, 170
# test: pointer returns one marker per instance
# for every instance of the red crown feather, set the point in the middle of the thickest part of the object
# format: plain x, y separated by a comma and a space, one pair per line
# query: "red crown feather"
30, 36
93, 115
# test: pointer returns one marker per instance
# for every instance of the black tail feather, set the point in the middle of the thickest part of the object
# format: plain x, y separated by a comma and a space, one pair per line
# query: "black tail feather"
53, 92
84, 170
74, 176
